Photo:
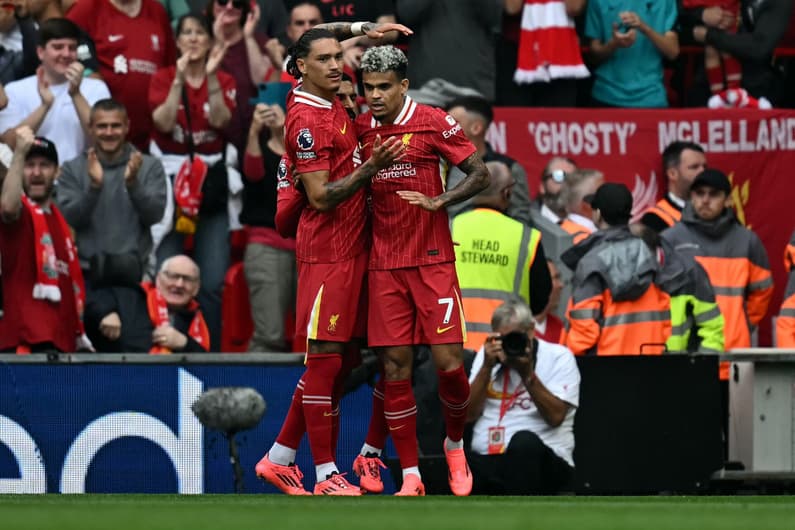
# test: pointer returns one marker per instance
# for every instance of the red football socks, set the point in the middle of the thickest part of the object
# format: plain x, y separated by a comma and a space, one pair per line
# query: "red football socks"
294, 427
454, 395
378, 429
321, 373
400, 411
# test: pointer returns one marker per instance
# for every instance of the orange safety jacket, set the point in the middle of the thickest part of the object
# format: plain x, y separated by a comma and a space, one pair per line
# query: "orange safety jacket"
616, 308
738, 268
785, 323
666, 211
576, 230
604, 326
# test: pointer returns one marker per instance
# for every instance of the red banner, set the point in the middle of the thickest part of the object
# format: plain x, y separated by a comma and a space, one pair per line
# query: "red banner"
755, 148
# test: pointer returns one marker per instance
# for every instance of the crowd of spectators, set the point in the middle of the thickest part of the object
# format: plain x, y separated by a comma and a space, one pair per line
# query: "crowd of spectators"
138, 153
151, 109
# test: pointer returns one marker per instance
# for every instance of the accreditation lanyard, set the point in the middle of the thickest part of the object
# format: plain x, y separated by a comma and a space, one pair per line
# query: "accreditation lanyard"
496, 440
507, 403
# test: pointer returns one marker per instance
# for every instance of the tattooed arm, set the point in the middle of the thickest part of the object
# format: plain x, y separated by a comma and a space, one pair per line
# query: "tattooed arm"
325, 196
477, 179
342, 30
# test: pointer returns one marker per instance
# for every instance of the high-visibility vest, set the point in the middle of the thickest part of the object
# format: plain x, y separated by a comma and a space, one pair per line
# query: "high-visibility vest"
578, 232
493, 258
666, 211
785, 323
691, 316
738, 269
604, 326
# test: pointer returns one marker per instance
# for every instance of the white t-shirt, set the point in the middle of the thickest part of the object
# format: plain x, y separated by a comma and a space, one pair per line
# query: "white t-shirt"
12, 40
557, 370
61, 124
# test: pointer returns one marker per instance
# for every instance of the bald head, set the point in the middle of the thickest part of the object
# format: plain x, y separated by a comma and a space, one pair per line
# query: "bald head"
498, 194
182, 263
178, 281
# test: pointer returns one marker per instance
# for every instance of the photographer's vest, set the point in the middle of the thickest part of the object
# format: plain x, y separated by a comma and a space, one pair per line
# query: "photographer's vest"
493, 257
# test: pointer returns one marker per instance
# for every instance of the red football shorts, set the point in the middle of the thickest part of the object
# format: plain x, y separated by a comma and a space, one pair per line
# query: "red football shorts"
415, 305
331, 304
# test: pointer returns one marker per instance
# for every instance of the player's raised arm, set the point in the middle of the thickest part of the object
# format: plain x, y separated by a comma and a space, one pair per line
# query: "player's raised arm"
324, 195
373, 30
477, 179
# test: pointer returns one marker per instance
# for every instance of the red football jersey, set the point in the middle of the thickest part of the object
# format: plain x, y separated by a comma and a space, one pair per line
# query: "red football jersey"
206, 139
129, 50
320, 136
290, 202
404, 235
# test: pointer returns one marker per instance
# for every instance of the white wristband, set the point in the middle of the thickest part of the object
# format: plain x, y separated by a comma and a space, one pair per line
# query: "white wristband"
356, 29
6, 155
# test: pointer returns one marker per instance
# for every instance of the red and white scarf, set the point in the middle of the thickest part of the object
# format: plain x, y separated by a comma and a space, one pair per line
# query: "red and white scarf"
47, 285
548, 44
158, 314
188, 193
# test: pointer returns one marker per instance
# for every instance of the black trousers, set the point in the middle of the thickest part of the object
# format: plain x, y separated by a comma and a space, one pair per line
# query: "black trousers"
528, 467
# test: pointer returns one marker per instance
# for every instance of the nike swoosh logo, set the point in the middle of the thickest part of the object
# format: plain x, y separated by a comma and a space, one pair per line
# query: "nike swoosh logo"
114, 38
439, 330
344, 128
396, 428
327, 414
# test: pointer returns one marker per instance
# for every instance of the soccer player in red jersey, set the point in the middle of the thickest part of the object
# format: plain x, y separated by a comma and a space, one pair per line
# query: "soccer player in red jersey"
413, 290
331, 247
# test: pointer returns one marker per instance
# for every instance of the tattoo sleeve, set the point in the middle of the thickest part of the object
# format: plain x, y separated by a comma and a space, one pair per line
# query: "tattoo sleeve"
340, 190
342, 30
477, 179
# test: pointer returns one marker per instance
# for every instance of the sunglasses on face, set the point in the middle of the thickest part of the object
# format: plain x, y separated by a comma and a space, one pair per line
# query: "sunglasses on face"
558, 175
237, 4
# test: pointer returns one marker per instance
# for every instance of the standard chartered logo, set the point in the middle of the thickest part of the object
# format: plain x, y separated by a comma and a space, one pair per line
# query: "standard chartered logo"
396, 170
184, 448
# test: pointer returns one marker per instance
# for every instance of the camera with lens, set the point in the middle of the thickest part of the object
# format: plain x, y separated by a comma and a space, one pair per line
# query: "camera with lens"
514, 344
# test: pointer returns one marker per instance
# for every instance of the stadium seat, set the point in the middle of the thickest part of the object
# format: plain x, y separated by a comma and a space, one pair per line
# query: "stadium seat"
237, 326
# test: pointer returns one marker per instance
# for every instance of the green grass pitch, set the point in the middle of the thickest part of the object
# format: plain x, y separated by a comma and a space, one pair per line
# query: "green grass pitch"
278, 512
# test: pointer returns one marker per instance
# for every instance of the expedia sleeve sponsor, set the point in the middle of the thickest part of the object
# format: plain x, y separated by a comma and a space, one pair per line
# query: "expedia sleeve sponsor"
451, 132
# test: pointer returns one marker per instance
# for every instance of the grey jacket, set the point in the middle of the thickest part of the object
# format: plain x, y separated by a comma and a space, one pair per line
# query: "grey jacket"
114, 219
613, 259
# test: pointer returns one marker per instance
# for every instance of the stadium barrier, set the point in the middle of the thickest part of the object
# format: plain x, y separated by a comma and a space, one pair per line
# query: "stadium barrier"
762, 408
123, 423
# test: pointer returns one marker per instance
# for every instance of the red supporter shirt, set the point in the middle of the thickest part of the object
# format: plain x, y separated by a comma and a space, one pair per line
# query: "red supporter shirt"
405, 235
207, 140
320, 136
27, 320
129, 50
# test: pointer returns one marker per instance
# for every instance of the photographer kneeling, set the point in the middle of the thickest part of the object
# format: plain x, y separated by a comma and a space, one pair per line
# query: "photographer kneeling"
524, 394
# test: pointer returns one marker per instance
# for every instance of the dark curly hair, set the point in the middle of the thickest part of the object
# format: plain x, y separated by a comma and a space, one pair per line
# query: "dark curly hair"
300, 48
